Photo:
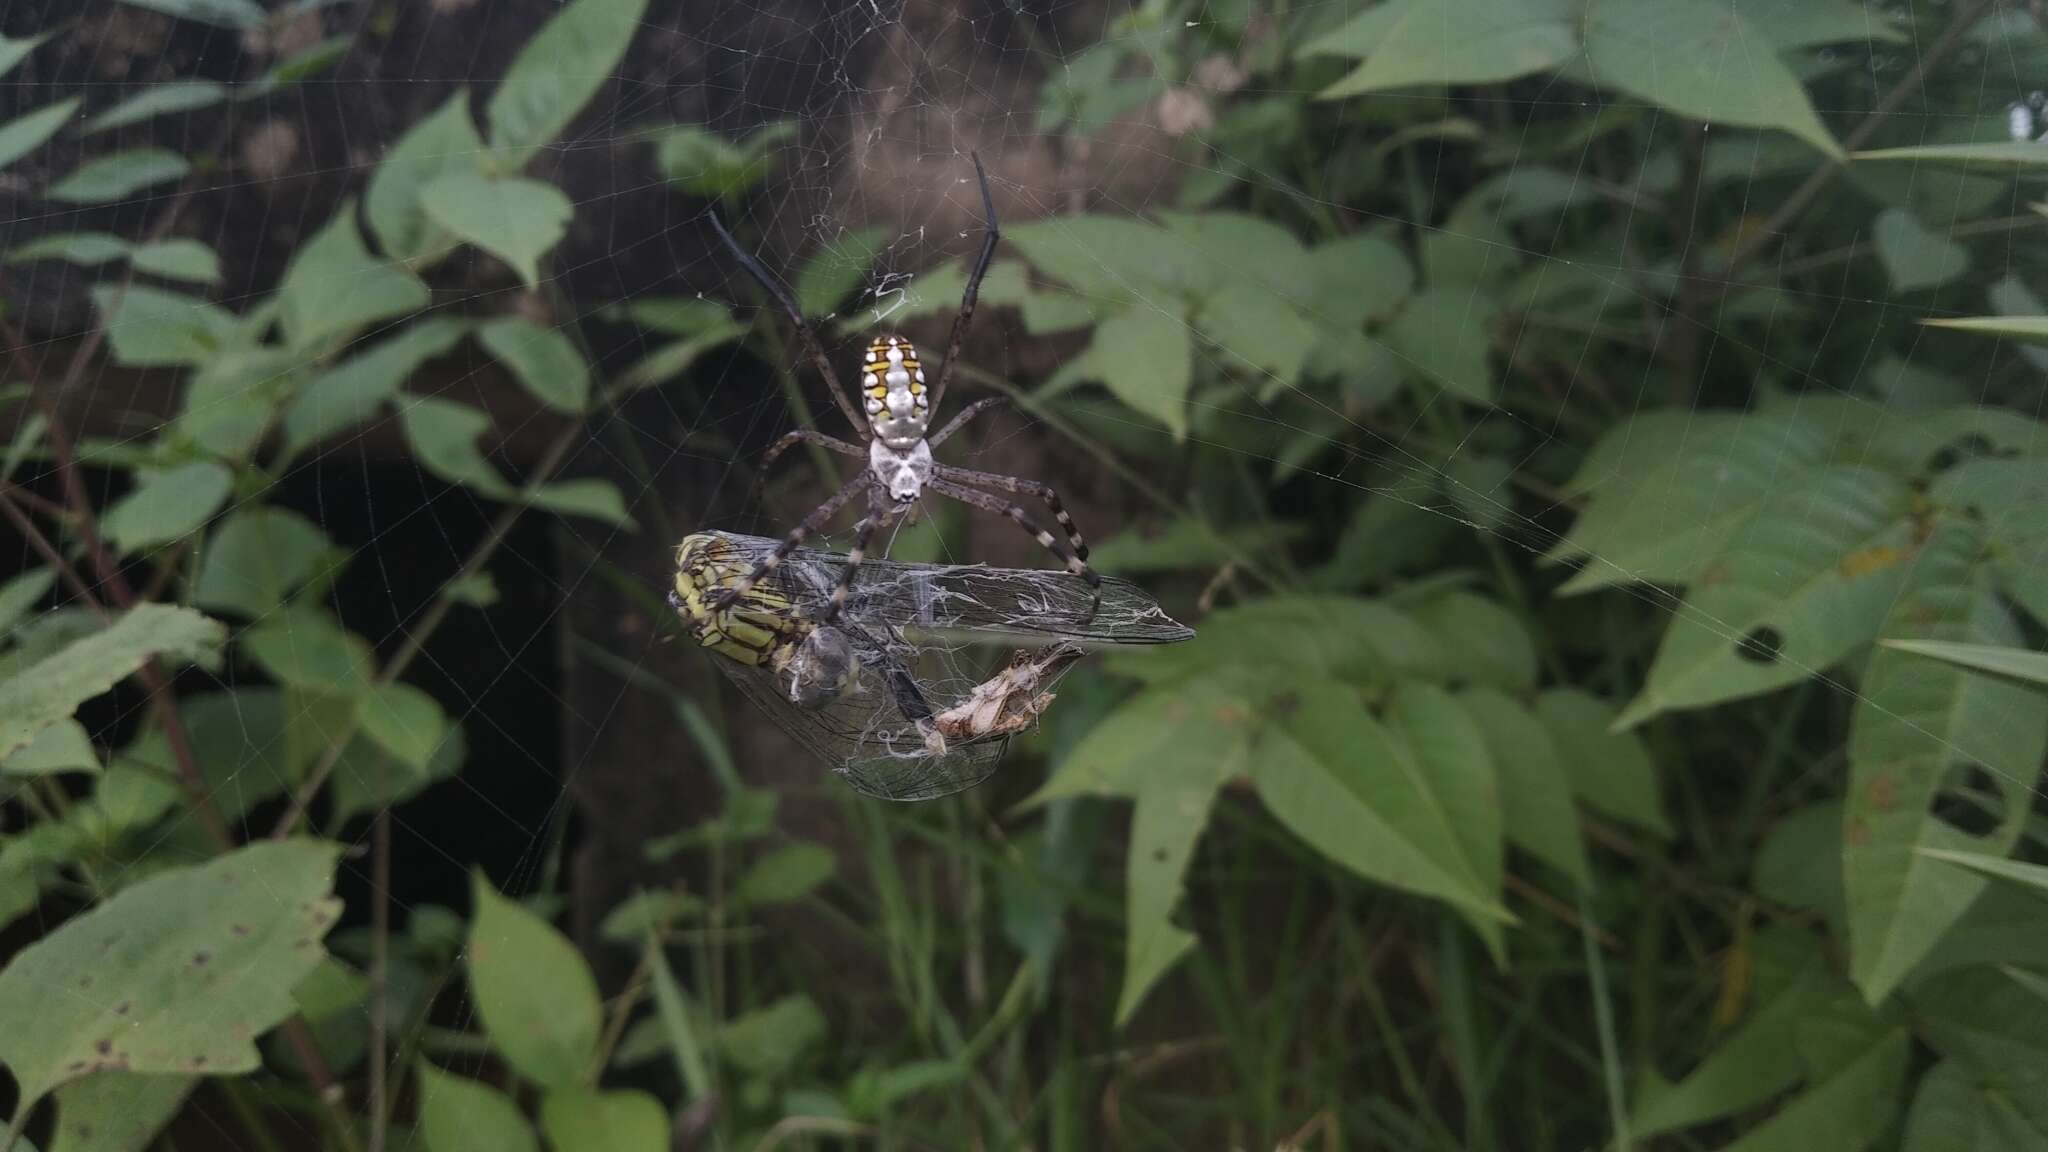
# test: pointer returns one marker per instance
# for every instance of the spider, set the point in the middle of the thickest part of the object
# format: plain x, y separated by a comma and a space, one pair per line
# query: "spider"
899, 467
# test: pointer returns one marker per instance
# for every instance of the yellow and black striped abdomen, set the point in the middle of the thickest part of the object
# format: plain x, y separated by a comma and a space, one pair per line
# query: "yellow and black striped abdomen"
754, 628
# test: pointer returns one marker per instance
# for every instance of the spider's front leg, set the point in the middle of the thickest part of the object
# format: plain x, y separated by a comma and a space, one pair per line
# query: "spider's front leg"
790, 440
879, 513
723, 598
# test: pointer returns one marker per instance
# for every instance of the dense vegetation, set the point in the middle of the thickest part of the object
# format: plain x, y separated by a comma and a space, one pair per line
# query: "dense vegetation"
1595, 440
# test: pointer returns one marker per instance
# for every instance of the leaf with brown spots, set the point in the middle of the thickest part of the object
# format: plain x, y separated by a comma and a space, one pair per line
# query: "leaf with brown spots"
152, 1006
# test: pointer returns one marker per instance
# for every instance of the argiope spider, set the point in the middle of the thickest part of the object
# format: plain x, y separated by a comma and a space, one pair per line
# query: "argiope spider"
900, 468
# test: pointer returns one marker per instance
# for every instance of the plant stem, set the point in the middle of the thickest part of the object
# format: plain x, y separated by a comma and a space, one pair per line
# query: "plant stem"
1966, 17
1603, 1022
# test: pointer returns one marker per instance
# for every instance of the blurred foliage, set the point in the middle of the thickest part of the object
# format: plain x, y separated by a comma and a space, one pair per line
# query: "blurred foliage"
1616, 715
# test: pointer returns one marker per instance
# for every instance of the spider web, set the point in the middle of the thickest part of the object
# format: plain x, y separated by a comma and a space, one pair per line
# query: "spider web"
883, 102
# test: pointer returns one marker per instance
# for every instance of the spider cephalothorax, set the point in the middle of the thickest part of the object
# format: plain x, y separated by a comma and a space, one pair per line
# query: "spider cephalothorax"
893, 415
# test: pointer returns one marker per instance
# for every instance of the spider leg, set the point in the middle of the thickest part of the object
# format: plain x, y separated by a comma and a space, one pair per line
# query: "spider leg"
1018, 486
990, 234
806, 436
804, 333
879, 513
722, 598
966, 414
996, 504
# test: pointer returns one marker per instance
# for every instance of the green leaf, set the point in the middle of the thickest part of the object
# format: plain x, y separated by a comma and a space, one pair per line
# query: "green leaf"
61, 747
220, 13
54, 686
1611, 771
367, 778
13, 51
787, 874
1849, 1110
537, 998
86, 249
545, 362
151, 328
709, 167
231, 401
2022, 154
21, 594
1805, 585
2018, 871
461, 1115
1190, 544
116, 1111
604, 1122
2012, 663
349, 393
768, 1042
444, 142
177, 974
1534, 785
1483, 642
1443, 335
1916, 722
1411, 804
256, 559
167, 504
119, 175
514, 219
442, 435
1790, 24
1914, 257
1143, 356
181, 259
305, 648
1112, 259
1956, 1111
1410, 43
404, 721
159, 100
1358, 278
26, 132
573, 55
1699, 59
642, 914
836, 270
1337, 637
334, 287
300, 66
2029, 329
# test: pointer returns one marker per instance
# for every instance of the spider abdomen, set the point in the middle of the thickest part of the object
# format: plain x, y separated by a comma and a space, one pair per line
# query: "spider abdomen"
893, 391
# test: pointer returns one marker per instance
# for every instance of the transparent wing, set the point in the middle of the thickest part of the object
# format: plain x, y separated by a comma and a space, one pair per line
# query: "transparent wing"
973, 603
866, 736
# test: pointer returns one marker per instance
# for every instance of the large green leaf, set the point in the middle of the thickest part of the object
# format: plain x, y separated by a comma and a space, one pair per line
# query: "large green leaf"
335, 286
1611, 771
1534, 786
349, 393
26, 132
1848, 1110
1483, 642
461, 1115
116, 1111
836, 269
2019, 664
1790, 24
1702, 60
444, 142
1993, 1027
305, 648
1144, 357
61, 747
167, 504
1802, 586
405, 722
159, 100
536, 996
514, 219
1110, 260
177, 974
1956, 1111
1411, 43
769, 1041
1916, 723
14, 50
368, 778
577, 1121
544, 360
1337, 637
53, 687
222, 13
119, 175
573, 55
2023, 154
257, 558
2030, 329
151, 328
588, 496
